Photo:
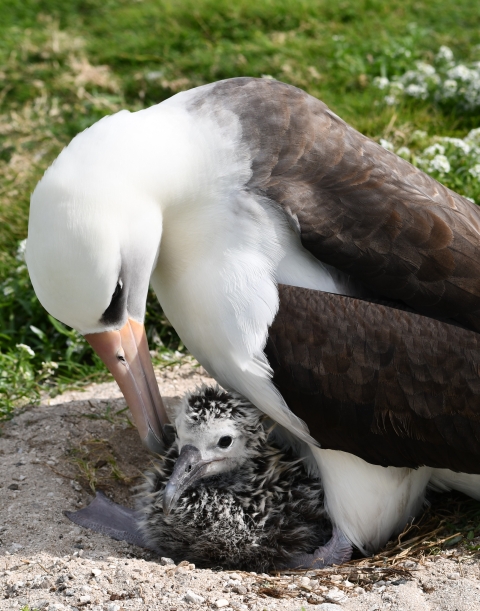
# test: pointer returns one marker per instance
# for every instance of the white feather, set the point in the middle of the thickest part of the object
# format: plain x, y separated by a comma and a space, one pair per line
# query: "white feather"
367, 502
468, 483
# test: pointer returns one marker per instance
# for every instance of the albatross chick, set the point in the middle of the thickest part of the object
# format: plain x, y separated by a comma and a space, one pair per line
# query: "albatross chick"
226, 493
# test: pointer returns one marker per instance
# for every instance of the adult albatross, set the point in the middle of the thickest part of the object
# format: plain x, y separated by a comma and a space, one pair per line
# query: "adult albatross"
280, 242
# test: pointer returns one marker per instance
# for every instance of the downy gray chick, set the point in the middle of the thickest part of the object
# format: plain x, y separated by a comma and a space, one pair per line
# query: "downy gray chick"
227, 494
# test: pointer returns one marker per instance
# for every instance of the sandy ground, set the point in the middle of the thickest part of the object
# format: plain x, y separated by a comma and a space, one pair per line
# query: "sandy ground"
49, 456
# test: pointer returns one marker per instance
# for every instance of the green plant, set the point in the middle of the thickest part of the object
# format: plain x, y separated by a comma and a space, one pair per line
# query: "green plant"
64, 65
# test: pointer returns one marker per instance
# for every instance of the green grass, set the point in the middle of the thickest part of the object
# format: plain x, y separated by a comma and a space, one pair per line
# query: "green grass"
64, 64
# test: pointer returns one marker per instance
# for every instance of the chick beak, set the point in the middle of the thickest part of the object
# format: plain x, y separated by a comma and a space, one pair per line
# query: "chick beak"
125, 353
188, 469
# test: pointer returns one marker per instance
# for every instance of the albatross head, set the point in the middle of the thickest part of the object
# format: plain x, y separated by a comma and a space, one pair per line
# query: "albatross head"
94, 236
217, 432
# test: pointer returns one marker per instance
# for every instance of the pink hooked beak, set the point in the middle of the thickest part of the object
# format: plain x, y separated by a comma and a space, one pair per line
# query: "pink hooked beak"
125, 353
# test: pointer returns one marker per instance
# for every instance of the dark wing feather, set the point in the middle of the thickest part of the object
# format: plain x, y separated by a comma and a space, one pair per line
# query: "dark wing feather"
391, 386
360, 208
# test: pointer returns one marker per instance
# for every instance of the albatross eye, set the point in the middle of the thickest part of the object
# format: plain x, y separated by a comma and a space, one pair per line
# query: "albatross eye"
225, 442
114, 311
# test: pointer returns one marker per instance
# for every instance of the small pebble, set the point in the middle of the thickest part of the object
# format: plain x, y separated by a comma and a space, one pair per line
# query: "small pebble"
453, 575
409, 564
84, 599
96, 572
335, 595
14, 487
166, 561
113, 607
221, 602
242, 590
305, 582
191, 597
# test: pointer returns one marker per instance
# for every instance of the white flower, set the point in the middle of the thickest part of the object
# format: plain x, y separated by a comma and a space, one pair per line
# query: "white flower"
445, 54
49, 367
472, 93
473, 136
449, 88
155, 75
435, 149
409, 75
475, 171
439, 164
386, 144
419, 134
21, 248
458, 143
403, 151
390, 100
381, 82
461, 72
26, 349
425, 68
8, 290
396, 87
475, 152
416, 91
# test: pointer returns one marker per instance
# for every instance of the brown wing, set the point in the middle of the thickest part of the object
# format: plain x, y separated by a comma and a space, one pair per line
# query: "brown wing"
393, 387
360, 208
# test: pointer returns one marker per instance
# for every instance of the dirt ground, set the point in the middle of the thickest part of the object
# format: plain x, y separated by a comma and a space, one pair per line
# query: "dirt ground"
53, 455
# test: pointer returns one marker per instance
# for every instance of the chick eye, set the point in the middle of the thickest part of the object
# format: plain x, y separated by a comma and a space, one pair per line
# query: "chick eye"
225, 442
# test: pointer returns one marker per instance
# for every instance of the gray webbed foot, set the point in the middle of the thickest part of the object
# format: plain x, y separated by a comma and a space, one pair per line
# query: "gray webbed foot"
108, 518
337, 551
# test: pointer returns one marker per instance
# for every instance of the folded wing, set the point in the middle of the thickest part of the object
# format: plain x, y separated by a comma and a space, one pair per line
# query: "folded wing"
391, 386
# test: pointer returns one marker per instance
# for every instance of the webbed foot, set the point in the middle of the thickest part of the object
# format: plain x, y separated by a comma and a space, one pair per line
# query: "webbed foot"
337, 551
108, 518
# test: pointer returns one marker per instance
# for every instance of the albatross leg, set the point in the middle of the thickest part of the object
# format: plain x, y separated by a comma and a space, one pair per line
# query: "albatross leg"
337, 551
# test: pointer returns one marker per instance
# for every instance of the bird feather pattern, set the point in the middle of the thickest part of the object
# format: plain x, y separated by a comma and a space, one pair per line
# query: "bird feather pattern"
387, 384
